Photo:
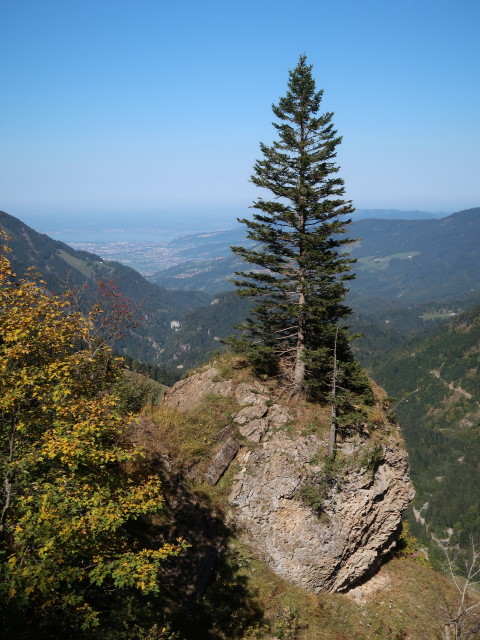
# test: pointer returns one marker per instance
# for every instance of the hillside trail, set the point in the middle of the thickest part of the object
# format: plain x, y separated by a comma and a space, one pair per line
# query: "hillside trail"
450, 385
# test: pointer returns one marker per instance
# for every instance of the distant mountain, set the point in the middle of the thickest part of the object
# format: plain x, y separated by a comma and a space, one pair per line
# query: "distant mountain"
418, 260
208, 261
62, 267
210, 244
211, 276
394, 214
407, 260
436, 380
161, 226
150, 248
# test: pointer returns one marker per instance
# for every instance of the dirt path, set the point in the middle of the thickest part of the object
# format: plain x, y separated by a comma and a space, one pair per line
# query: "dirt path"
450, 385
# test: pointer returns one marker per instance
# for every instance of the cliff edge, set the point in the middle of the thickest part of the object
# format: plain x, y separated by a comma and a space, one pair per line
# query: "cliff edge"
322, 523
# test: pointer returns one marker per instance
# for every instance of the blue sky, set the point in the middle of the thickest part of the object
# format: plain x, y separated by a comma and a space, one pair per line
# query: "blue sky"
155, 108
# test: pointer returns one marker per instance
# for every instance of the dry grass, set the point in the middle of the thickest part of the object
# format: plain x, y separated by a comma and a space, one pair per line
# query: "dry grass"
413, 604
233, 367
191, 436
310, 418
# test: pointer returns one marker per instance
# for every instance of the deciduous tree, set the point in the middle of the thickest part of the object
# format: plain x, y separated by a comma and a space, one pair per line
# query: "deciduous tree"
70, 483
464, 621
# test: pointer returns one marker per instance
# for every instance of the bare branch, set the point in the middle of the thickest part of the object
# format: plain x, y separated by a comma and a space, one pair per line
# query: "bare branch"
465, 623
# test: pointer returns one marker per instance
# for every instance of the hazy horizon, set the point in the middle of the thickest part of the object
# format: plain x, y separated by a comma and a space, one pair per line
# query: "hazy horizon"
153, 227
155, 107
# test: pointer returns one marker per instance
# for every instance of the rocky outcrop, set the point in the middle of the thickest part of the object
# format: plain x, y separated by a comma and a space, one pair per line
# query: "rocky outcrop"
221, 461
187, 393
357, 525
330, 543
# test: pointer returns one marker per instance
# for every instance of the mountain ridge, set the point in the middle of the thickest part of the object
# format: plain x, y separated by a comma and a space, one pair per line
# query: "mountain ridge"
404, 259
64, 268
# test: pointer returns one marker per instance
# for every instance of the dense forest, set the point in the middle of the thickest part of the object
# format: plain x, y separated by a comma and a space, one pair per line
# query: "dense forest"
436, 382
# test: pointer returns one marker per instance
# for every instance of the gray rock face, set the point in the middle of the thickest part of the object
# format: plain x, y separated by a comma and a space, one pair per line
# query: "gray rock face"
221, 461
186, 394
361, 508
359, 520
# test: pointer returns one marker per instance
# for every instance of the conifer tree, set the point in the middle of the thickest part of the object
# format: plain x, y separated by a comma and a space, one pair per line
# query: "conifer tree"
301, 263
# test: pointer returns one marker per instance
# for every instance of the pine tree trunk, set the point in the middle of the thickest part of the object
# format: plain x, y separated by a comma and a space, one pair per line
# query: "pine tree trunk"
333, 432
299, 370
333, 413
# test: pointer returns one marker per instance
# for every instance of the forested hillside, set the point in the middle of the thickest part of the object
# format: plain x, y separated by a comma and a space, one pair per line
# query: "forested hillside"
436, 380
380, 324
63, 269
202, 332
407, 260
418, 260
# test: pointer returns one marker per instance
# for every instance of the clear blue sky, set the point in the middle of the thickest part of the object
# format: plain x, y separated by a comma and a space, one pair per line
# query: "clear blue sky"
157, 107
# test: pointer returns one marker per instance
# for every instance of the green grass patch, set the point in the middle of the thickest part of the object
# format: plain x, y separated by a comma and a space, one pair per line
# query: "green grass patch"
373, 263
99, 269
436, 315
78, 264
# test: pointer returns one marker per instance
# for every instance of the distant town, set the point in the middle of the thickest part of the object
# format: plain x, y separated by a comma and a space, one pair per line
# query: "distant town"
145, 257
